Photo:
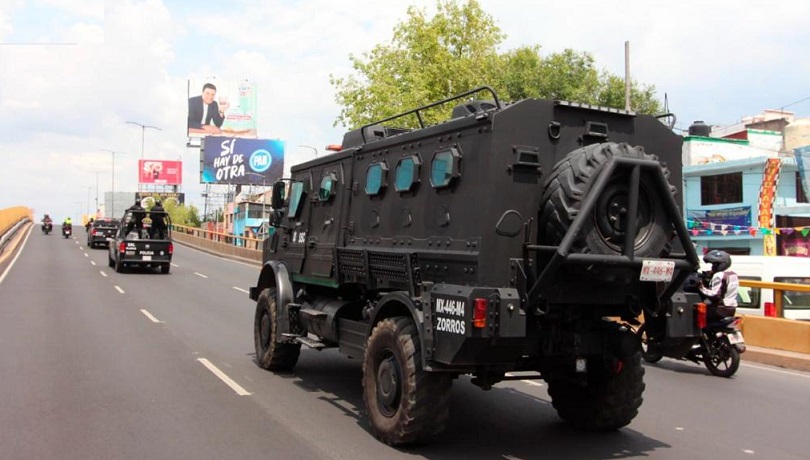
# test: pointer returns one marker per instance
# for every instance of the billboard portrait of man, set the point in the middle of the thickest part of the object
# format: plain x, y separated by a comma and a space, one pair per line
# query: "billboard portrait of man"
205, 115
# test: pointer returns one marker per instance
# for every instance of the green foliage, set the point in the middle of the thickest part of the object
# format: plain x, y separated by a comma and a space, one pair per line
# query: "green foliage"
432, 58
188, 216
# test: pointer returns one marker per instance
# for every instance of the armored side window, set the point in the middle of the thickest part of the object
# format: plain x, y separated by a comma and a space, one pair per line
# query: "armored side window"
296, 198
444, 168
328, 186
407, 173
376, 178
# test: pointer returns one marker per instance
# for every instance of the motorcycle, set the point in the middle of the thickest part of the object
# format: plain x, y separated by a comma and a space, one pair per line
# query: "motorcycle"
718, 348
47, 227
67, 231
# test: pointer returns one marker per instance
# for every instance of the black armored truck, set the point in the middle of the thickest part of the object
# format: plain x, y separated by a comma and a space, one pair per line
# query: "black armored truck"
511, 241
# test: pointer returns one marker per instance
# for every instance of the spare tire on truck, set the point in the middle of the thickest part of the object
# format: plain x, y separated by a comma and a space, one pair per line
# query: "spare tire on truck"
604, 231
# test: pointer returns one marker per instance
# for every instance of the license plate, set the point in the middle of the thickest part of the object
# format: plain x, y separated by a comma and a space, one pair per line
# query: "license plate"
657, 270
147, 258
735, 338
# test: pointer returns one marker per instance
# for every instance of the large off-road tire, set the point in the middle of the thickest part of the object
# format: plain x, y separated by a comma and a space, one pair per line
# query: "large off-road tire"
119, 266
606, 403
604, 231
270, 354
722, 359
405, 404
648, 355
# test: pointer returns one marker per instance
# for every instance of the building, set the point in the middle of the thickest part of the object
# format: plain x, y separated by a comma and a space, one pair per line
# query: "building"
743, 191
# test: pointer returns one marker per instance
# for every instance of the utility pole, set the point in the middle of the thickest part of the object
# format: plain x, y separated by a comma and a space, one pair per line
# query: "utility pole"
143, 129
311, 147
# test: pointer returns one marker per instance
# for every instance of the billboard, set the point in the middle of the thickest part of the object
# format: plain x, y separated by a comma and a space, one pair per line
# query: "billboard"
160, 172
147, 199
228, 160
222, 108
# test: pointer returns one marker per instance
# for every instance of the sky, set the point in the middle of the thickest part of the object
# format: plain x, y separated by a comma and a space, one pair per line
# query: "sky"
72, 73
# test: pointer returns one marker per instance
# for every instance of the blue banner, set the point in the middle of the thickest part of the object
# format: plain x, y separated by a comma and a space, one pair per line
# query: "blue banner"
731, 218
230, 160
803, 162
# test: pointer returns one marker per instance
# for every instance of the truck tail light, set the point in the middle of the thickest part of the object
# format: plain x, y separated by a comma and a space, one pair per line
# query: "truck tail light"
480, 314
700, 315
171, 248
122, 247
770, 309
93, 232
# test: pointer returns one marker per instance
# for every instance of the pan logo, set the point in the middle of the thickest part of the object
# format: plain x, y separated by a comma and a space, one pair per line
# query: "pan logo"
260, 160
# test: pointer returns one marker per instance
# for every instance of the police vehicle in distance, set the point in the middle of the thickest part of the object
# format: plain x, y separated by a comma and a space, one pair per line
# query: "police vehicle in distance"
526, 237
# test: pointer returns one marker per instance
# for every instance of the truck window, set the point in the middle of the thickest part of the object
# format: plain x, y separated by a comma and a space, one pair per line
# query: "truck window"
407, 173
296, 193
376, 178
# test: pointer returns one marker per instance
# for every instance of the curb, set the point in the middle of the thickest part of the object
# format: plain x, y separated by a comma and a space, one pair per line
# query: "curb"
779, 358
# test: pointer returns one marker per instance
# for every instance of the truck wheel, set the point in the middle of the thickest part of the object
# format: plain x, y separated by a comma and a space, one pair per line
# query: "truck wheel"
608, 402
603, 233
165, 268
110, 262
404, 403
270, 354
119, 266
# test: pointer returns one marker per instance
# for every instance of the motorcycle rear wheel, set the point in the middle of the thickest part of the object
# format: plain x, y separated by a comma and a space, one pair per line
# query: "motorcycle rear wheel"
721, 358
648, 355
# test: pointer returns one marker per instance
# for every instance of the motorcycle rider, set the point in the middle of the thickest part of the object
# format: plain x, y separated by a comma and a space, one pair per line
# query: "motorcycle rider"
721, 289
46, 221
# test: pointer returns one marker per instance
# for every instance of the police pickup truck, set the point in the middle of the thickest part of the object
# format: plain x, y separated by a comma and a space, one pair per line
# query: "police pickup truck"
142, 241
100, 231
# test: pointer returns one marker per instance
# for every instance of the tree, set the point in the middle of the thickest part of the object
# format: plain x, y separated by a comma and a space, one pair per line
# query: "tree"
430, 59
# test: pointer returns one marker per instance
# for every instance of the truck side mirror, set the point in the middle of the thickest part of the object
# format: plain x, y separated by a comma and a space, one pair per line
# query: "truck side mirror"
277, 200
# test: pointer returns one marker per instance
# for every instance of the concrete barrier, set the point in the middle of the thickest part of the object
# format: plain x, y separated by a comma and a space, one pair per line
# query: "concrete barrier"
216, 247
777, 333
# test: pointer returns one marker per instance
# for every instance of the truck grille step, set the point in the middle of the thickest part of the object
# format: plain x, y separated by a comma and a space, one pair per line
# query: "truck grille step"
311, 343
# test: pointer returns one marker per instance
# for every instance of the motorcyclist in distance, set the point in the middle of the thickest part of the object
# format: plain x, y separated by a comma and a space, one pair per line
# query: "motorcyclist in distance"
721, 289
46, 220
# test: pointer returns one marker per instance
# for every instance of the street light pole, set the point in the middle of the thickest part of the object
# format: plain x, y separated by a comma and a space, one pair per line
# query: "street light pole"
143, 130
311, 147
112, 207
97, 173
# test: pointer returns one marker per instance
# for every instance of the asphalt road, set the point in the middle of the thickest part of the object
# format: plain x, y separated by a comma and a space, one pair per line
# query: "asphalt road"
97, 364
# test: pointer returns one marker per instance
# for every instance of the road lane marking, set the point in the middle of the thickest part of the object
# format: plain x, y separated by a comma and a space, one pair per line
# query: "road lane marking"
242, 290
174, 265
20, 251
92, 262
228, 381
149, 315
102, 273
778, 371
86, 255
200, 275
119, 289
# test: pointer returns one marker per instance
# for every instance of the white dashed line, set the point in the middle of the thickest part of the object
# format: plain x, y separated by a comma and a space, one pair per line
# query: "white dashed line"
92, 262
200, 275
748, 451
86, 255
119, 289
174, 265
242, 290
678, 428
149, 315
228, 381
102, 273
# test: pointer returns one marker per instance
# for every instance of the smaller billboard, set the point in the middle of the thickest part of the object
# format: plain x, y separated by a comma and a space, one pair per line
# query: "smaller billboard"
227, 160
221, 108
148, 199
160, 172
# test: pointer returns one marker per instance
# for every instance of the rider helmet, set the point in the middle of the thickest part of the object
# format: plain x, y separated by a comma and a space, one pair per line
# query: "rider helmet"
720, 260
